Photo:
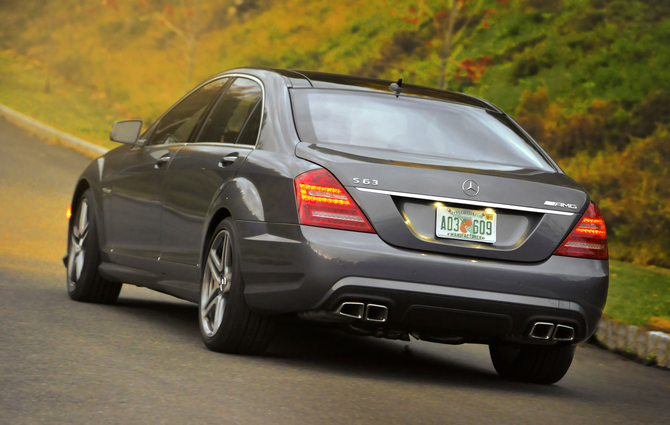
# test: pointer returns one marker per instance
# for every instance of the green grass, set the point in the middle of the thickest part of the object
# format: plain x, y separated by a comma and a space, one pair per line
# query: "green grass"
637, 294
76, 110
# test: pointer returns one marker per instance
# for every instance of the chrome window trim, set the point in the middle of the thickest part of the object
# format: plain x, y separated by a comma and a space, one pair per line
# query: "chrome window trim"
219, 77
224, 145
464, 201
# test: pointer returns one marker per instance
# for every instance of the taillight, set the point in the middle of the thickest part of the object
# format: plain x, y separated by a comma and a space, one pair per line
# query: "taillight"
323, 202
589, 238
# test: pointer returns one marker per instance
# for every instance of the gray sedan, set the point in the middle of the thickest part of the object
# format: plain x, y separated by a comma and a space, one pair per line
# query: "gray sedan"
389, 209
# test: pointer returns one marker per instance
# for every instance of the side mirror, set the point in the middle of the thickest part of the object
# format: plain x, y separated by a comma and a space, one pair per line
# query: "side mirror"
126, 131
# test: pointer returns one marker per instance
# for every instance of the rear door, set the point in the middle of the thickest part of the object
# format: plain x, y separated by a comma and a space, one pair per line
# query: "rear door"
415, 164
200, 171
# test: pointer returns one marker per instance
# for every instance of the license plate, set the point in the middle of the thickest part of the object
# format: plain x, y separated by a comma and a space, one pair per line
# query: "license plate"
469, 225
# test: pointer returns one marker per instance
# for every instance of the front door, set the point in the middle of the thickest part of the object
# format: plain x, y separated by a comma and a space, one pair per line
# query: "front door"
138, 185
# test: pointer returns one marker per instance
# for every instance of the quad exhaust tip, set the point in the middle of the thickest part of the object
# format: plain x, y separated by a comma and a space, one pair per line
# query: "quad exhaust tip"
376, 313
564, 333
542, 330
350, 309
547, 331
357, 310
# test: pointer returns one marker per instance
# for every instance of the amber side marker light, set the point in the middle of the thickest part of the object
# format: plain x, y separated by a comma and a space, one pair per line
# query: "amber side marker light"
68, 213
322, 201
589, 238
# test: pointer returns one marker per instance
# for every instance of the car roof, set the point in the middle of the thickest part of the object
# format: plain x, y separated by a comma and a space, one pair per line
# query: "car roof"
325, 80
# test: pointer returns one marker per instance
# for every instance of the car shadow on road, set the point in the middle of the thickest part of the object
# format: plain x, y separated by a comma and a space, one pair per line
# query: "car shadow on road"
335, 352
179, 316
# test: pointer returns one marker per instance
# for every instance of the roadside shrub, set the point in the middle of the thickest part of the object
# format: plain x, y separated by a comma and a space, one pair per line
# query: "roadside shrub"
632, 188
622, 157
564, 135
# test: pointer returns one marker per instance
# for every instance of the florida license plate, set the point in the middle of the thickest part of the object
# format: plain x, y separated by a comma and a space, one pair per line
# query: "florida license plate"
463, 224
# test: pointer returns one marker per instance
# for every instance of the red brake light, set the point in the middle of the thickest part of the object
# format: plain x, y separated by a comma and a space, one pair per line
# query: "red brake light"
588, 239
323, 202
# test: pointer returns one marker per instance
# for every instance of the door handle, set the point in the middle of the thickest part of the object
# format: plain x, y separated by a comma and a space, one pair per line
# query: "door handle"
228, 159
162, 161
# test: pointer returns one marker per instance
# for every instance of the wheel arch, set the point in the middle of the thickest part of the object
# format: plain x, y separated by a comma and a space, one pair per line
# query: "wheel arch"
239, 199
82, 186
221, 214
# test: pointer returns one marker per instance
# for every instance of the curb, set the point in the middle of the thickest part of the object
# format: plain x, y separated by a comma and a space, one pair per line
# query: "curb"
646, 345
49, 133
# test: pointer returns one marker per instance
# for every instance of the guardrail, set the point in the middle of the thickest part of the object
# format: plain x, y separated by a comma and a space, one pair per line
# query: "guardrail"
50, 133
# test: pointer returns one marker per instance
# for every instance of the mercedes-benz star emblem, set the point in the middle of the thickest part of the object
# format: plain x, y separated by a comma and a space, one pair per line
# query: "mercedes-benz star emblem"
470, 187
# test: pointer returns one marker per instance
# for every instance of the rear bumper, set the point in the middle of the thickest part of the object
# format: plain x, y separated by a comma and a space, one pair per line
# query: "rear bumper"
292, 268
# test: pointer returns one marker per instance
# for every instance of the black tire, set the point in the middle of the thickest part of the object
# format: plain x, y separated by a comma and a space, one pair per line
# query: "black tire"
539, 364
82, 279
237, 330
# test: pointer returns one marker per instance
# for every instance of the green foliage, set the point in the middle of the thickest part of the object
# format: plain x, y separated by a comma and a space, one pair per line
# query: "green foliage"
651, 359
578, 50
632, 188
622, 157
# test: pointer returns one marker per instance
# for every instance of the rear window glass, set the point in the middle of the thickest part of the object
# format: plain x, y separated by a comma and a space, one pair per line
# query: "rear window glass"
412, 125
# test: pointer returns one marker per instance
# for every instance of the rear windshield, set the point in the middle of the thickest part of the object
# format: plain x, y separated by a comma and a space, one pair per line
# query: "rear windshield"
412, 125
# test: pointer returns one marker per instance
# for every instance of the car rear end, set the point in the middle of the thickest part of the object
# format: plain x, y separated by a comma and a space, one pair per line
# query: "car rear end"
436, 218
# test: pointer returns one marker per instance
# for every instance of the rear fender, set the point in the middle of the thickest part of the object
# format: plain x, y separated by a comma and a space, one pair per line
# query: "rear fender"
240, 200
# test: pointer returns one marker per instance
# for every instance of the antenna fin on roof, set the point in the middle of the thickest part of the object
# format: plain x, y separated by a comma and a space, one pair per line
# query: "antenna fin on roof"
397, 87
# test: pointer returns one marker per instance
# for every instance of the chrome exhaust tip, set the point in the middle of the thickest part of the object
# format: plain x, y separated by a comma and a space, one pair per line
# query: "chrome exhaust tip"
564, 333
542, 330
376, 313
351, 309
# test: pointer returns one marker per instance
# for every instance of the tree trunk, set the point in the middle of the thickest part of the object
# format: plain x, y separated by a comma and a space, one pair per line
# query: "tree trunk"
446, 45
192, 45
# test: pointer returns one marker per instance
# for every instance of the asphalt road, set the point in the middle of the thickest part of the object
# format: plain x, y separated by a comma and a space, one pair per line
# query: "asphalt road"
142, 361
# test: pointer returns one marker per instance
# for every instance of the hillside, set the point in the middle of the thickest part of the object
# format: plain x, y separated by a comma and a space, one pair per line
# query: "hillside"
587, 78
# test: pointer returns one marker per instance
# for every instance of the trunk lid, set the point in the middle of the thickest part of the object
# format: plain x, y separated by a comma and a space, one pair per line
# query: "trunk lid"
401, 192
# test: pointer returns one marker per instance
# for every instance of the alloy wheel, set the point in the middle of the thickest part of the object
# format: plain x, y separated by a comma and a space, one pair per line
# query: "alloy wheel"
216, 283
77, 252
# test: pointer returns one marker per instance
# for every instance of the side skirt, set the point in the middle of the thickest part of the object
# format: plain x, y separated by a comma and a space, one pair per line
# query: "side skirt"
149, 280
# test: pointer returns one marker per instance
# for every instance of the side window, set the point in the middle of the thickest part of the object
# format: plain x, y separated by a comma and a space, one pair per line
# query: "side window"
249, 133
236, 116
178, 124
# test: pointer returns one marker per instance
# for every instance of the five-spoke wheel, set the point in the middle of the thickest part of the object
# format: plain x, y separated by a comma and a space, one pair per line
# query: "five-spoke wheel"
83, 256
76, 253
226, 322
216, 283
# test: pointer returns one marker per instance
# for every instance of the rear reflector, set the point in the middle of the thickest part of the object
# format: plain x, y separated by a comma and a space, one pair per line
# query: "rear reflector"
589, 238
323, 202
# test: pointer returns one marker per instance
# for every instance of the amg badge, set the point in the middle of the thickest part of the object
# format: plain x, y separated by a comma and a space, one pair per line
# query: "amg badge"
560, 204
